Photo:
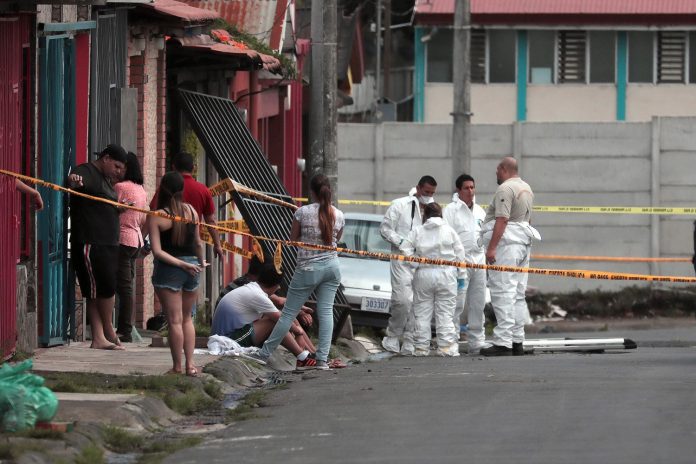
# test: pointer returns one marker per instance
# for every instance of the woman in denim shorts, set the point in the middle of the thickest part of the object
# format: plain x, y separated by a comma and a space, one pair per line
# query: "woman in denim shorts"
178, 253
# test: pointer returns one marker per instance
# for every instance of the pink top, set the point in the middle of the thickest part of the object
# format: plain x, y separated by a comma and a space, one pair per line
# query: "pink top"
131, 221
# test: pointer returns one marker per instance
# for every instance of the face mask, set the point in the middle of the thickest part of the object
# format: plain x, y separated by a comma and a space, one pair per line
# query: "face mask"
425, 200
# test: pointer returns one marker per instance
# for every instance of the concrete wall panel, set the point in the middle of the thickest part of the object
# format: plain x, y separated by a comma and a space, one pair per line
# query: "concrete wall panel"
356, 141
588, 140
677, 168
678, 134
581, 164
417, 140
589, 174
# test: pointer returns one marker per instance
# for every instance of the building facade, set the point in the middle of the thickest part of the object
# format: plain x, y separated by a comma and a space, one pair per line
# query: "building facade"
554, 61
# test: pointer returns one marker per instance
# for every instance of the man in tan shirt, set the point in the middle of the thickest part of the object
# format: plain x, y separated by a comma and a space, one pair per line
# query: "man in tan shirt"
507, 237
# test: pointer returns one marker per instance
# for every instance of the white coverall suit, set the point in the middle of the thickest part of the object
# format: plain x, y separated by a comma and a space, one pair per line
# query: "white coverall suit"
434, 288
402, 216
471, 293
508, 288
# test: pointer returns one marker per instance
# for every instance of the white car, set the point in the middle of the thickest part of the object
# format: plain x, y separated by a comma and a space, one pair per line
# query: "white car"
366, 282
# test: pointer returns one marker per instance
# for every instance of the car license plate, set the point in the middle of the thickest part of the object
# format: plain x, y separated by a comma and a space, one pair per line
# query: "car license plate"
376, 305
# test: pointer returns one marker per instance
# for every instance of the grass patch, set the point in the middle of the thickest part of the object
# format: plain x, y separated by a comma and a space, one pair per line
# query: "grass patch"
184, 395
190, 402
13, 450
120, 440
19, 356
90, 454
247, 407
157, 451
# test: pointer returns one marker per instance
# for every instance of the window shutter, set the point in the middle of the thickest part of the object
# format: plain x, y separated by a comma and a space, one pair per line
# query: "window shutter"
571, 56
671, 53
477, 56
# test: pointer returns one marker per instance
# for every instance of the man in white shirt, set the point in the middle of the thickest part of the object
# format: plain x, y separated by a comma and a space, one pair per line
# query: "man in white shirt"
403, 215
247, 315
465, 217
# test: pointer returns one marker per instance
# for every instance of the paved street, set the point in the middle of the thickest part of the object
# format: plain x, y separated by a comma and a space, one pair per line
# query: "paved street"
633, 407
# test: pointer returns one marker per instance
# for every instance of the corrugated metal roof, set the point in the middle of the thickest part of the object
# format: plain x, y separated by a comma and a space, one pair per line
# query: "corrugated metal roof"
180, 10
261, 18
555, 7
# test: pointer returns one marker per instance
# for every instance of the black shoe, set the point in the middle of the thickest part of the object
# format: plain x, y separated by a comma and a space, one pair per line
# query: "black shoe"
496, 350
517, 349
125, 338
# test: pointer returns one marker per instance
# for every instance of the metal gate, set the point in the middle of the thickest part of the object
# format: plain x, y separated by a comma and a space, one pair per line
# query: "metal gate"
57, 100
237, 155
14, 32
108, 77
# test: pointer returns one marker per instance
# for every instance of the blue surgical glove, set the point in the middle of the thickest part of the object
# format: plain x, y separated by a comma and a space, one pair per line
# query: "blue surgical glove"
461, 283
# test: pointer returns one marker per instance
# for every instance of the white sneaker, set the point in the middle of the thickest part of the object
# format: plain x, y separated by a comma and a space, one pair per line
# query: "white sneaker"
322, 366
391, 344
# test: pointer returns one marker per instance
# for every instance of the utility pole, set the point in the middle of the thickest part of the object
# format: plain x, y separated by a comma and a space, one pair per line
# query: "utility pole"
461, 116
323, 115
387, 49
378, 52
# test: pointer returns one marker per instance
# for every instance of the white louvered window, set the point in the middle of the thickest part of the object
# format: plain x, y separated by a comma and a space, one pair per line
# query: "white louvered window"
671, 57
477, 56
571, 53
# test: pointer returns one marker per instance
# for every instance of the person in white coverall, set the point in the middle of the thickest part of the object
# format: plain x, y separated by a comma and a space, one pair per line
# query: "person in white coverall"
507, 236
434, 286
466, 217
403, 215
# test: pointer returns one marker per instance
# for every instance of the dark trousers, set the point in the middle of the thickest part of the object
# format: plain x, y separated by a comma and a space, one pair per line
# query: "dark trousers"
124, 288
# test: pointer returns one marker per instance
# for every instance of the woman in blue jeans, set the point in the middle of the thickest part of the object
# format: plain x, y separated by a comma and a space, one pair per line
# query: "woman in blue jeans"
316, 270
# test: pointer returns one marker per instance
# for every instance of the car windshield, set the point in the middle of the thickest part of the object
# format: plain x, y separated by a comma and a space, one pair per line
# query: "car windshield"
362, 235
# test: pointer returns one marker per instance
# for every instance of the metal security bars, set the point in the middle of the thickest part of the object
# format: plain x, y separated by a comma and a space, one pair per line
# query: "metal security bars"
236, 155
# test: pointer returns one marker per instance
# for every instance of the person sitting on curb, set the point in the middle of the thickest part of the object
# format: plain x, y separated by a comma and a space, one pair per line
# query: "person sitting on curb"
247, 315
252, 275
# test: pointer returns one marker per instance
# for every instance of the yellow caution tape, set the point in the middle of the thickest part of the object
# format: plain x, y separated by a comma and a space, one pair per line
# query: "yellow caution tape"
227, 246
556, 209
578, 274
620, 259
236, 224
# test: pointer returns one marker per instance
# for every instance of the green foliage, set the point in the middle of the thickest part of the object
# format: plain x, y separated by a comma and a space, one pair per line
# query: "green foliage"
185, 395
245, 409
90, 454
120, 440
288, 68
157, 450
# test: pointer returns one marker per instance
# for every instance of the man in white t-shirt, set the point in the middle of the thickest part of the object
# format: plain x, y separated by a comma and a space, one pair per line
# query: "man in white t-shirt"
247, 315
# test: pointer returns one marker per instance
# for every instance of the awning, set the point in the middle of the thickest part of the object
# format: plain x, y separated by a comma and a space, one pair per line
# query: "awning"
205, 42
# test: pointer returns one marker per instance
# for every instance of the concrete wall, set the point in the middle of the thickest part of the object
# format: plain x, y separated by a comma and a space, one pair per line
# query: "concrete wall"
587, 164
497, 103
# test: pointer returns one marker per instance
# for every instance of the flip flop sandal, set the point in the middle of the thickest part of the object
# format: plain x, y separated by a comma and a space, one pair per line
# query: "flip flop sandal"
172, 372
192, 372
337, 364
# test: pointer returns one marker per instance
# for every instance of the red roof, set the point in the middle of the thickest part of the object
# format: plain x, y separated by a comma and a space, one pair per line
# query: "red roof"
591, 7
263, 18
180, 10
